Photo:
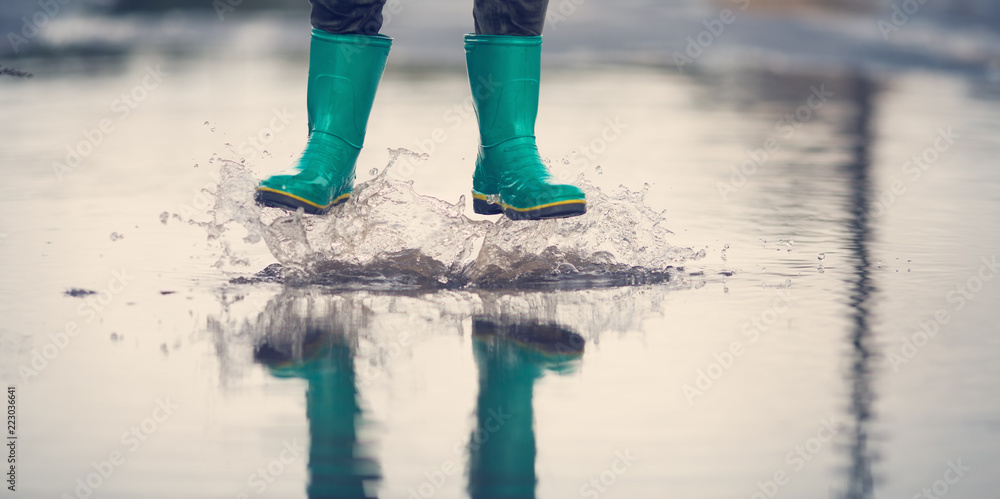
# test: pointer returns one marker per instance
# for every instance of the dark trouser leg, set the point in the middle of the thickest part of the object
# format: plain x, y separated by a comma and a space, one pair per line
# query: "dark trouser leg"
492, 17
509, 17
348, 17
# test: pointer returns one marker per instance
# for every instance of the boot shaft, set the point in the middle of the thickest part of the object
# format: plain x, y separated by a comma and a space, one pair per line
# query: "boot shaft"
344, 73
504, 73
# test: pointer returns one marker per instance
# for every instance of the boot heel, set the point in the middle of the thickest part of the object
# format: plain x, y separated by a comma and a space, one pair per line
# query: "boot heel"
484, 207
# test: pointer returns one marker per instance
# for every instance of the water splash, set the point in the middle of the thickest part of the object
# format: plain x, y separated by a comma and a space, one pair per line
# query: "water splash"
390, 235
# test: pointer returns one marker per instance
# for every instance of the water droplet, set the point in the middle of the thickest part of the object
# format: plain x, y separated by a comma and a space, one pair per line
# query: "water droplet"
206, 123
879, 264
821, 256
566, 268
599, 170
909, 261
373, 172
725, 247
116, 236
164, 217
820, 269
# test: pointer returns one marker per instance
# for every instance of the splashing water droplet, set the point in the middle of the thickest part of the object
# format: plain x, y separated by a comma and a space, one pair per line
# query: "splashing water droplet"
389, 234
820, 269
164, 217
373, 172
116, 236
599, 170
821, 256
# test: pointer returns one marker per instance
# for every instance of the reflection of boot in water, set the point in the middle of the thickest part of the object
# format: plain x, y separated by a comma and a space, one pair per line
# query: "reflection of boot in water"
510, 357
339, 467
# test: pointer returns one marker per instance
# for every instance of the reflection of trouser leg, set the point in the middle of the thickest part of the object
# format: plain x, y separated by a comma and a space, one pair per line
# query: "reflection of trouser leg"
335, 467
347, 17
509, 17
502, 447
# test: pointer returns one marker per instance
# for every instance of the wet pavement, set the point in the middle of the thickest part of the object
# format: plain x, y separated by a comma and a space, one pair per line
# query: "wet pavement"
837, 336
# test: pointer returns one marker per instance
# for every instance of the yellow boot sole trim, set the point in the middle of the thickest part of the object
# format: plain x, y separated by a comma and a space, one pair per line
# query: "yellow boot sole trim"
340, 199
483, 197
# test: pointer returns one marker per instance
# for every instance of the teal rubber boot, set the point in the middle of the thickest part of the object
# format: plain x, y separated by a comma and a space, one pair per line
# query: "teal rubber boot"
510, 177
344, 73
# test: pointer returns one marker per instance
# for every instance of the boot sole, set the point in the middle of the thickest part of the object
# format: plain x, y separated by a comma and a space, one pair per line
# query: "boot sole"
279, 199
560, 209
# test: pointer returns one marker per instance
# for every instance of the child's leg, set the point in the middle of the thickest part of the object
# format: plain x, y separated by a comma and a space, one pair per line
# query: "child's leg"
346, 60
509, 17
347, 17
504, 61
